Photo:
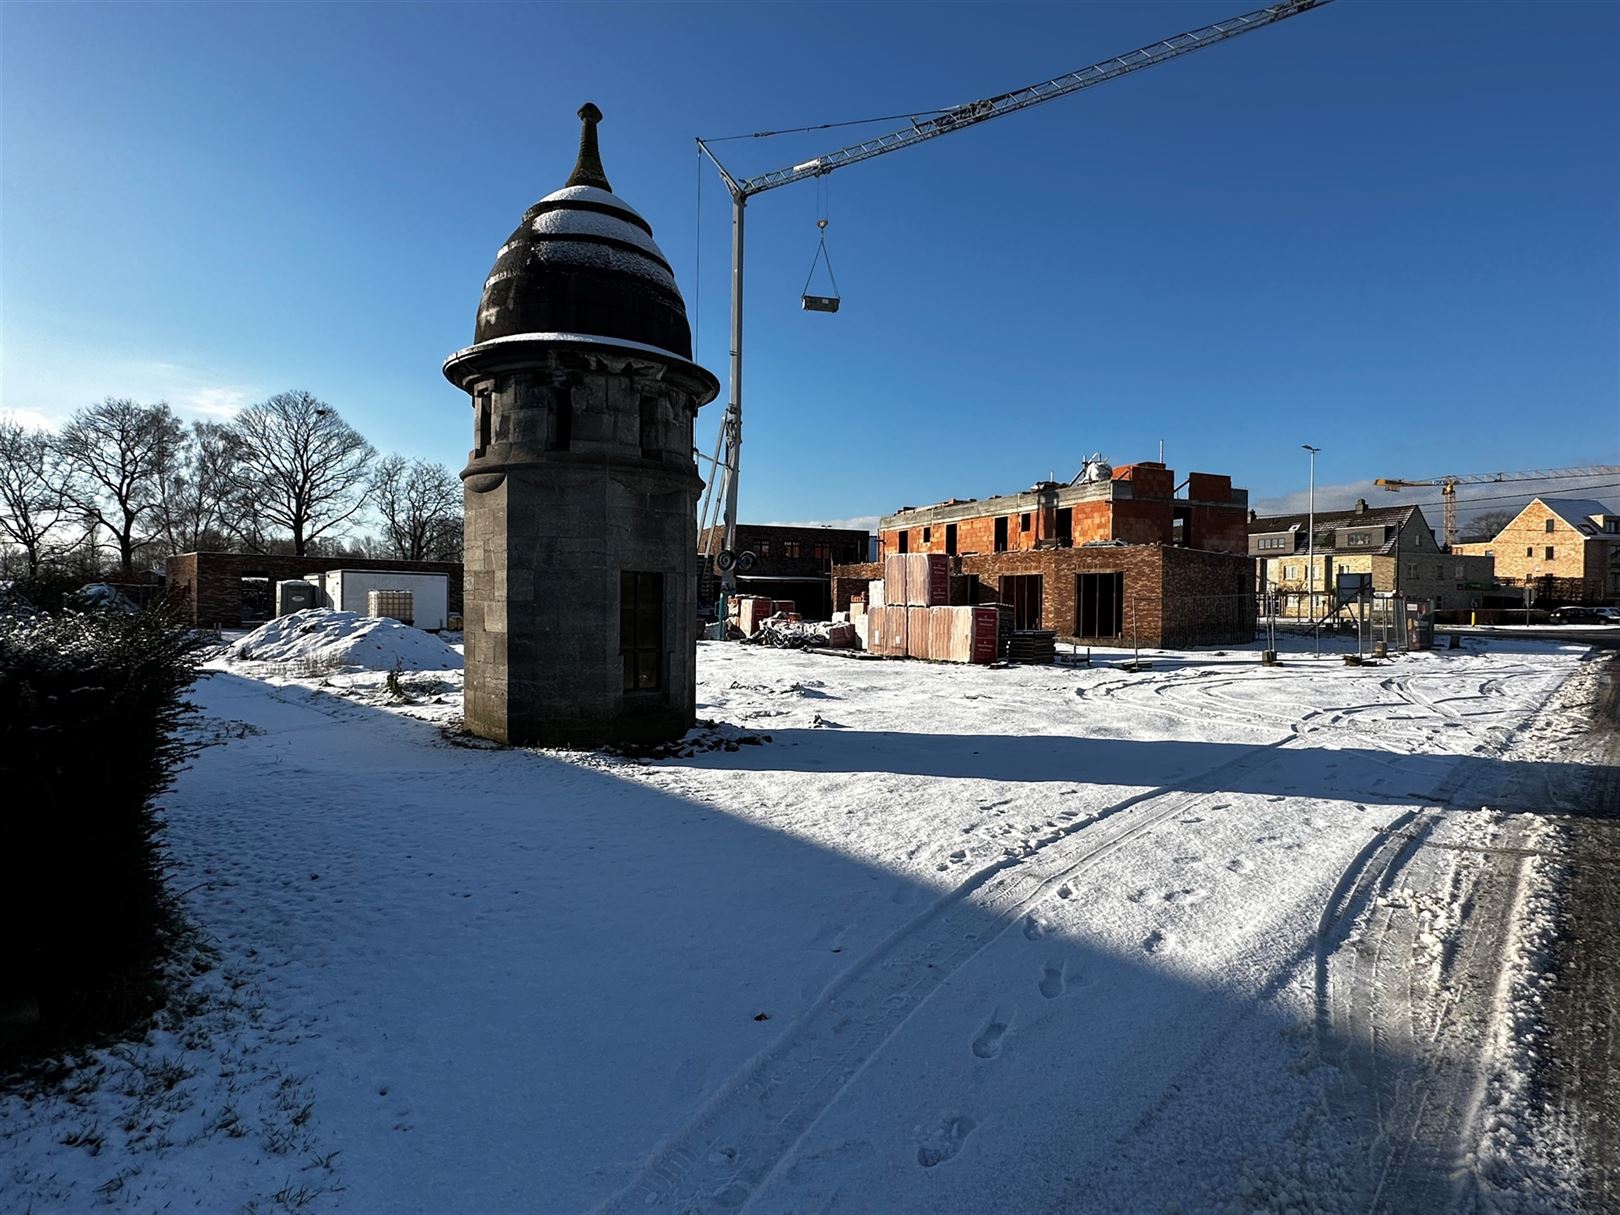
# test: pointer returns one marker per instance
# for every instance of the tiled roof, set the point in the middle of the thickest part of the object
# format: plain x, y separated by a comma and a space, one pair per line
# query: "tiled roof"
1328, 522
1576, 512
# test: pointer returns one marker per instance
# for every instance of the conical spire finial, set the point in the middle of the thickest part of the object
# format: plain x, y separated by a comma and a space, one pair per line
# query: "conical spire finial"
588, 169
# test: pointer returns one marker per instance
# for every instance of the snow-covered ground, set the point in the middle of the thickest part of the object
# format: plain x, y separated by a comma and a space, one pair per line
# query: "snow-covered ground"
948, 939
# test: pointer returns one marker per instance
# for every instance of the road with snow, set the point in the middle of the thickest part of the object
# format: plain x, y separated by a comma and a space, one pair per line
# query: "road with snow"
897, 937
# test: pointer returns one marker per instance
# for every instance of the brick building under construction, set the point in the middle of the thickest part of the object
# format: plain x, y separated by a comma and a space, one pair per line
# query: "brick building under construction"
1119, 555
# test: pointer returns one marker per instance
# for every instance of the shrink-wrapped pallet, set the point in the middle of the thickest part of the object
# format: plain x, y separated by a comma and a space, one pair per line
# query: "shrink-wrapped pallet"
986, 621
899, 629
841, 636
939, 634
928, 579
874, 594
917, 633
894, 579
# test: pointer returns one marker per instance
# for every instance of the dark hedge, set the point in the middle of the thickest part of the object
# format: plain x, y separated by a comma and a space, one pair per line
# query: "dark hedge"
89, 706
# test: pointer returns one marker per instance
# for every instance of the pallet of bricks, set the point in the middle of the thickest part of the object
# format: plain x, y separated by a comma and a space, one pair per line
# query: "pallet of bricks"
910, 613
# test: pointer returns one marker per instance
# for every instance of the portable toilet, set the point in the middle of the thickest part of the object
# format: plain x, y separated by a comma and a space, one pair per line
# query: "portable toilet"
294, 595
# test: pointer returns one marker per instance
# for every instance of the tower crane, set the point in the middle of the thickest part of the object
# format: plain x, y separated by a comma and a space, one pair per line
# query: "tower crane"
1448, 485
721, 495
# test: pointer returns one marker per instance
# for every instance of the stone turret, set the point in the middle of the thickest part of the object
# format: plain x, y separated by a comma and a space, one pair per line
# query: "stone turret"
580, 490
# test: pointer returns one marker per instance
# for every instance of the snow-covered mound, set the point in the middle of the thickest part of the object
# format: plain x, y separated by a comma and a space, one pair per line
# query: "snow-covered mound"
325, 637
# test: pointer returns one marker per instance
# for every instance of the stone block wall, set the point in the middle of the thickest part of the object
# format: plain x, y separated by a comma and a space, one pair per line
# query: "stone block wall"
588, 475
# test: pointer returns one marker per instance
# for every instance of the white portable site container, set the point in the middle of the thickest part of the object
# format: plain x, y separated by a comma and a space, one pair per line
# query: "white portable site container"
350, 591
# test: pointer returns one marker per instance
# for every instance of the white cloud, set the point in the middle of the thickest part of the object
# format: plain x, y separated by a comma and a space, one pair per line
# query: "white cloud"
1471, 499
32, 419
860, 523
1328, 497
221, 403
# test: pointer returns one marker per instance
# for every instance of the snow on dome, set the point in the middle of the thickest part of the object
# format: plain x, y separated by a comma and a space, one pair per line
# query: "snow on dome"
324, 636
586, 253
566, 222
590, 194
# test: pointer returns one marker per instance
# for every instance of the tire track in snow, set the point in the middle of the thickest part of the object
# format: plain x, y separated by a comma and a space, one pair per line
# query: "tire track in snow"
727, 1154
1418, 1095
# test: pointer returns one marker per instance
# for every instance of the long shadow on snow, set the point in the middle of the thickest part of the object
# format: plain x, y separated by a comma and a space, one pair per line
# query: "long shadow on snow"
562, 970
1347, 774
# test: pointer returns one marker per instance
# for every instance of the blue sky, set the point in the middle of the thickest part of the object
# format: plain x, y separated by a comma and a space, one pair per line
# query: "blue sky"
1391, 230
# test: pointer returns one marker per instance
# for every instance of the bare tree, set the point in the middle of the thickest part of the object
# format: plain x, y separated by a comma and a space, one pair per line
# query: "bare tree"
420, 506
32, 505
1487, 523
300, 467
198, 488
113, 457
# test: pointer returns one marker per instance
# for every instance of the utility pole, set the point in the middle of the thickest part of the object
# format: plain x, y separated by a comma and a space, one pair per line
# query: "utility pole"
1310, 554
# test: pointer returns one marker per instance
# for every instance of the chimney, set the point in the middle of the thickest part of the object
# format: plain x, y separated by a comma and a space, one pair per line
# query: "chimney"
1253, 514
1361, 506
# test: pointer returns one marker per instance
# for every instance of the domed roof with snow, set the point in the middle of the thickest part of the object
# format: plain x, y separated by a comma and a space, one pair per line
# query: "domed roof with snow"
583, 262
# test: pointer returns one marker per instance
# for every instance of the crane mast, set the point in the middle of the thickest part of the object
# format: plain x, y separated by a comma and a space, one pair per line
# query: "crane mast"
721, 494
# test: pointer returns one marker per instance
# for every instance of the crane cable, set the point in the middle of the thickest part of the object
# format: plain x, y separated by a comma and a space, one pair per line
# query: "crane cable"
822, 220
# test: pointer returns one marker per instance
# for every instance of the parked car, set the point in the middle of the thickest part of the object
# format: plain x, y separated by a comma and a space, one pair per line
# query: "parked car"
1574, 614
1609, 615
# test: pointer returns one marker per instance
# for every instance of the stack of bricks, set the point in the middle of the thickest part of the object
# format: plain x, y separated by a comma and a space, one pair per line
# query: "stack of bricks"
913, 615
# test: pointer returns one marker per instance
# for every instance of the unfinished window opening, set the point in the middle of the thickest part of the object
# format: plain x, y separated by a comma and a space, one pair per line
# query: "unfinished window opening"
483, 420
641, 630
1181, 527
1550, 551
1022, 592
1065, 527
1550, 527
1001, 534
1099, 605
258, 598
1023, 522
928, 535
905, 542
950, 539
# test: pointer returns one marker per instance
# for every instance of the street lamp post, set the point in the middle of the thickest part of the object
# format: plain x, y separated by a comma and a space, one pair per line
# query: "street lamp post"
1310, 553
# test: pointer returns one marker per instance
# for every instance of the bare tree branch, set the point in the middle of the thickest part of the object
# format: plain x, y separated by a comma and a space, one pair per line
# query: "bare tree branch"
299, 467
420, 506
114, 454
32, 505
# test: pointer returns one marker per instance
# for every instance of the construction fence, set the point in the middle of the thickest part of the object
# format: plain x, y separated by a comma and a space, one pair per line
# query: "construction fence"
1284, 623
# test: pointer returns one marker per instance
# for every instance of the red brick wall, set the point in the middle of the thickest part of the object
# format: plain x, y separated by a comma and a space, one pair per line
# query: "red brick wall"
849, 580
212, 582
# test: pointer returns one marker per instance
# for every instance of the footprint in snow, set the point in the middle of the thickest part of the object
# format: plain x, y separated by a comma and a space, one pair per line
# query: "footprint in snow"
1051, 983
1155, 941
988, 1044
1065, 891
1239, 865
1034, 927
944, 1141
1187, 895
1138, 896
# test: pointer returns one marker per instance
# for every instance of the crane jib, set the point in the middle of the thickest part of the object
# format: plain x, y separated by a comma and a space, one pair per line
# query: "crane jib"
974, 112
